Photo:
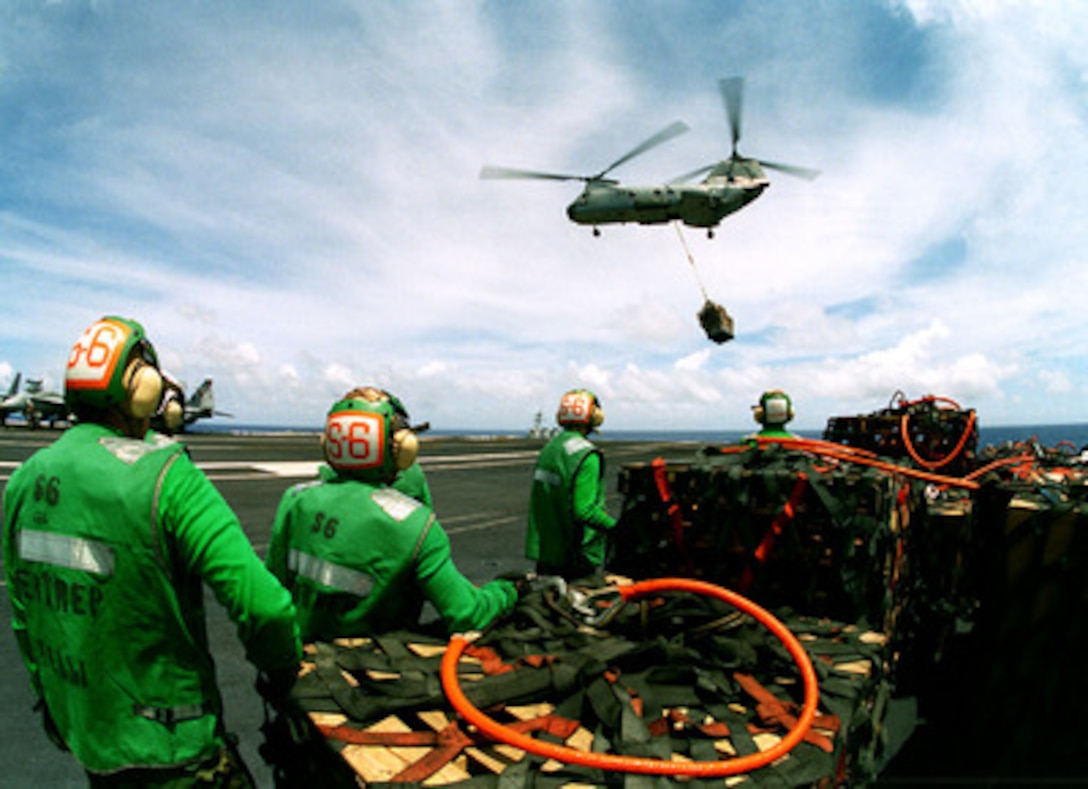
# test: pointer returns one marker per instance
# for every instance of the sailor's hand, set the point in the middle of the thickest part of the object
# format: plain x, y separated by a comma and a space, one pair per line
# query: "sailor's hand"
522, 581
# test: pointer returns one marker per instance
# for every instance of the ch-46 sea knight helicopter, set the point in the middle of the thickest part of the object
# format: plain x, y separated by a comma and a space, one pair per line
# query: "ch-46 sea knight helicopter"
727, 186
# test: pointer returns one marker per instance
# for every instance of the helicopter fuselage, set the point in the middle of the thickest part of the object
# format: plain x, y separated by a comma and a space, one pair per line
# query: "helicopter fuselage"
728, 185
704, 204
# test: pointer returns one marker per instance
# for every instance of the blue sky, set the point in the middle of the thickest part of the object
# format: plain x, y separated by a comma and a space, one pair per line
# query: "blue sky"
287, 196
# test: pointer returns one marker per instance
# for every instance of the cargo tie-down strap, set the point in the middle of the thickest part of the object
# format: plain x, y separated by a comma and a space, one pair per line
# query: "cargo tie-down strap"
672, 677
771, 522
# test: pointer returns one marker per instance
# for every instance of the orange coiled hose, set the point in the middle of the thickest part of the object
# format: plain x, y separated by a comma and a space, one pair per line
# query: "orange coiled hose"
933, 465
637, 764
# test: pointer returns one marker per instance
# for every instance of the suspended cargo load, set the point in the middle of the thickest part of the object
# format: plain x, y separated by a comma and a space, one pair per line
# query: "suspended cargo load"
716, 322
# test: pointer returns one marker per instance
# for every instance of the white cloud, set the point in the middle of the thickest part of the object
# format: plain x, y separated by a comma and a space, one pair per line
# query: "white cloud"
289, 201
1056, 381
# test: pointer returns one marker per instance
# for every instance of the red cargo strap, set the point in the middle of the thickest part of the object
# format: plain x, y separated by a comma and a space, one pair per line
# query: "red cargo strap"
491, 662
763, 550
445, 745
676, 515
772, 709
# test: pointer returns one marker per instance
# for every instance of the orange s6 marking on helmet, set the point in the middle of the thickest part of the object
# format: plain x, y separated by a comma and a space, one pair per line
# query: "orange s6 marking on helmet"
580, 408
113, 365
356, 438
363, 439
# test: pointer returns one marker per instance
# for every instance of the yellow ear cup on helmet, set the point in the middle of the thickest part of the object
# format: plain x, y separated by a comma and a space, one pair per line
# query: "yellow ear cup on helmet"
596, 419
172, 416
775, 407
144, 386
405, 448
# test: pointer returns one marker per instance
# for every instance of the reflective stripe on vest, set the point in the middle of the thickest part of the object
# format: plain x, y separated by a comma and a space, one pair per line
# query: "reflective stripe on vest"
334, 576
62, 550
547, 477
170, 716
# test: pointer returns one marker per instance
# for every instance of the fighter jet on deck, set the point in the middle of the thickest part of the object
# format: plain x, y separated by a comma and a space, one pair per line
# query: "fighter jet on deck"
35, 404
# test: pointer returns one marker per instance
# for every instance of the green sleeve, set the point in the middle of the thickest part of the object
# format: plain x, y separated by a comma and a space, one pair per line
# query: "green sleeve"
18, 605
211, 543
463, 605
588, 495
276, 557
413, 482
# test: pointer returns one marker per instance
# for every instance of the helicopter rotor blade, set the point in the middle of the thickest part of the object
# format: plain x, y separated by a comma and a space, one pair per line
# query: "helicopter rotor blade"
732, 90
672, 130
791, 169
490, 172
693, 174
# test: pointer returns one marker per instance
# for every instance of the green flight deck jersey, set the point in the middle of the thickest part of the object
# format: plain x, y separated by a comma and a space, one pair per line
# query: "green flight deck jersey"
361, 559
412, 482
568, 523
107, 543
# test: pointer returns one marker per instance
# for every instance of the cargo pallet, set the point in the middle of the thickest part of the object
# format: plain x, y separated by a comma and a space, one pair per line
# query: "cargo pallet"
914, 598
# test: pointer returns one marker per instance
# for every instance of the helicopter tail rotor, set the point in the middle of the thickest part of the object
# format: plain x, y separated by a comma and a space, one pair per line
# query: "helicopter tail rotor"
732, 90
732, 93
791, 169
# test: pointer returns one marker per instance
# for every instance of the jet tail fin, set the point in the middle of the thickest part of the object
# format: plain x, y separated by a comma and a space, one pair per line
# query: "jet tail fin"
203, 399
14, 388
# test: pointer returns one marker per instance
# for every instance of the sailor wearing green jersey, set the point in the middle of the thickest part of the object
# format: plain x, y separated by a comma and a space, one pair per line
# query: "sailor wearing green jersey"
359, 556
568, 523
772, 413
110, 534
410, 481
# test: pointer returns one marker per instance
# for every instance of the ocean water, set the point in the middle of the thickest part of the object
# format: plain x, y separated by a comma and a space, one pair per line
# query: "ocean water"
1046, 435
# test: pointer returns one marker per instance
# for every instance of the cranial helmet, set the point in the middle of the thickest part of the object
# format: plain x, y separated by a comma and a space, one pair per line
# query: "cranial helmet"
366, 439
113, 365
774, 408
580, 408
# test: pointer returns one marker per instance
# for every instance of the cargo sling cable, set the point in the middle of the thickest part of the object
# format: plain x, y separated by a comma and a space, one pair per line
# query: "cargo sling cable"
642, 765
691, 260
713, 317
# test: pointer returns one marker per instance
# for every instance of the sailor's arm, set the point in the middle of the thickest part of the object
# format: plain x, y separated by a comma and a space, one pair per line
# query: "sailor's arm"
463, 605
588, 495
213, 545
